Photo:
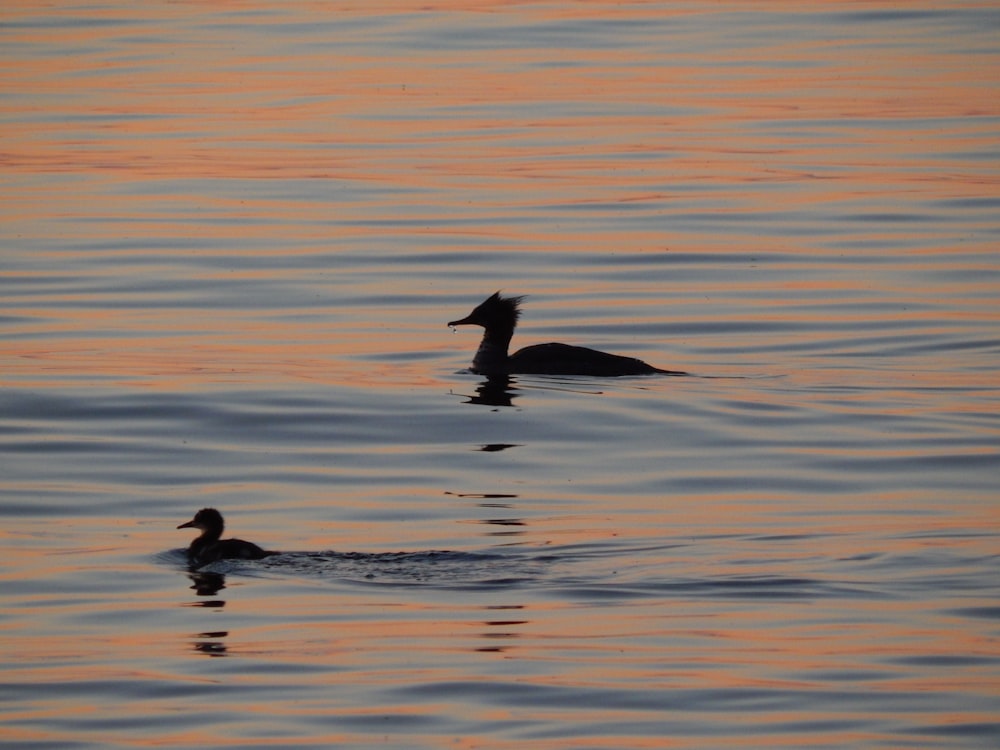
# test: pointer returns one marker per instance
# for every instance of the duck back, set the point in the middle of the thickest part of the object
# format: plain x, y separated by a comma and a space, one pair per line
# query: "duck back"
564, 359
227, 549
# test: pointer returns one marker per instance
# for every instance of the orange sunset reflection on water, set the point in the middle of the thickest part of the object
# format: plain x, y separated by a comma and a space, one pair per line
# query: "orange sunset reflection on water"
233, 235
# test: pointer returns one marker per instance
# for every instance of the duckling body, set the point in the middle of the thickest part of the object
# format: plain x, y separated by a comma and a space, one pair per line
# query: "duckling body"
499, 315
210, 547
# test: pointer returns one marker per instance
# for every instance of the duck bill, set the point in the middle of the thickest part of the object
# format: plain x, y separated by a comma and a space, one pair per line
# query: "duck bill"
467, 321
188, 525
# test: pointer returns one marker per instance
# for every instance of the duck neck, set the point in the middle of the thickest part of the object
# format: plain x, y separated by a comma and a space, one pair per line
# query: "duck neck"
491, 357
207, 539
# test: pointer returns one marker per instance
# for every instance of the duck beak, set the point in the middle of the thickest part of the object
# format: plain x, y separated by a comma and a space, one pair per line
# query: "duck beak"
466, 321
188, 525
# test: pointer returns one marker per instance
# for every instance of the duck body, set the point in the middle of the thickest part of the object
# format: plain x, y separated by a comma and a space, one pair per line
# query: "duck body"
563, 359
498, 316
210, 546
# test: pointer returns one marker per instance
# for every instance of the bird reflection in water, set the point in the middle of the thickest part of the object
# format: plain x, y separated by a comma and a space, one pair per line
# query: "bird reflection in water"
209, 584
212, 645
206, 583
510, 526
501, 390
496, 390
499, 630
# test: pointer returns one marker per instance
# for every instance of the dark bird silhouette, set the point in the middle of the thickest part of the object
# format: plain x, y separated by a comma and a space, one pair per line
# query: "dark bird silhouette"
210, 547
499, 315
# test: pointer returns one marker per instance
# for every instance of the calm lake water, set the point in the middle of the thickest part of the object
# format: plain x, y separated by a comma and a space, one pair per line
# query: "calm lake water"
231, 237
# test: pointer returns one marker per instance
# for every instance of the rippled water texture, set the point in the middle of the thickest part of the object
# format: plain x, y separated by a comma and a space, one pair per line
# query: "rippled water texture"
231, 237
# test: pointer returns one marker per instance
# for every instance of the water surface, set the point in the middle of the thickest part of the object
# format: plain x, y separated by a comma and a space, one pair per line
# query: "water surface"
231, 238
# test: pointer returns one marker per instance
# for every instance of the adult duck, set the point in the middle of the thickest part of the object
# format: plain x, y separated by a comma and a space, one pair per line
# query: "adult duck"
499, 315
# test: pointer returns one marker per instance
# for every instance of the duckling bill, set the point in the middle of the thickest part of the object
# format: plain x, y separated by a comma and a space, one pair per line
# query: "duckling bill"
210, 546
499, 315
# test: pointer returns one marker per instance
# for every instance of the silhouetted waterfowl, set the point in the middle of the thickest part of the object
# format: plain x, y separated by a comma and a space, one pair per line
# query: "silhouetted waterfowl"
498, 316
210, 547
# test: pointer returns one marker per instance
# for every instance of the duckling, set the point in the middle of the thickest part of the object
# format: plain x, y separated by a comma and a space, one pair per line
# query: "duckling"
210, 547
499, 315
